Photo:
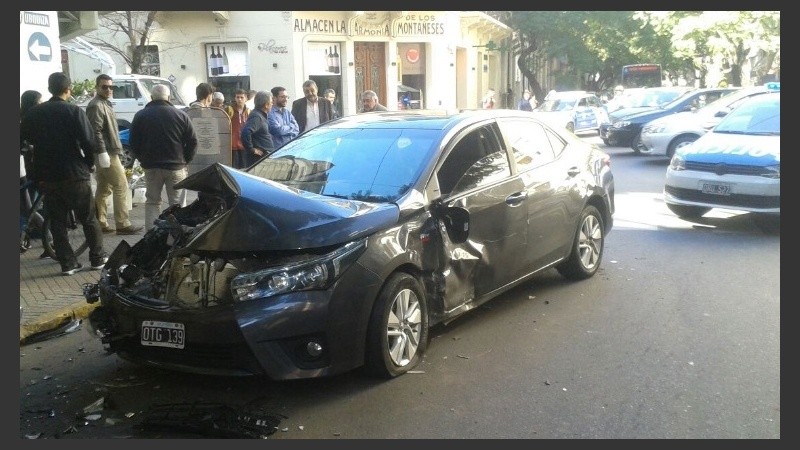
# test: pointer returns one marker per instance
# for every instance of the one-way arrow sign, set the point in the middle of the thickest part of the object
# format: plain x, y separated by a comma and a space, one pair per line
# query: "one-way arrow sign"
39, 48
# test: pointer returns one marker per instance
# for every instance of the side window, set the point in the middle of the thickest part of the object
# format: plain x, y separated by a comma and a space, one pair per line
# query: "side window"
476, 160
529, 143
582, 102
124, 90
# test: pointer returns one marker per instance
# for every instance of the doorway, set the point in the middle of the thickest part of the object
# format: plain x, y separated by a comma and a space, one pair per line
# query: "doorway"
370, 69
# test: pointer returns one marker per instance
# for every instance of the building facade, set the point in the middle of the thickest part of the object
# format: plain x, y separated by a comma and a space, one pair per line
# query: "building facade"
411, 59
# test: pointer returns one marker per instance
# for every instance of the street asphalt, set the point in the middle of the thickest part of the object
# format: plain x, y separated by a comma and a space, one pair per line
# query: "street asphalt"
50, 301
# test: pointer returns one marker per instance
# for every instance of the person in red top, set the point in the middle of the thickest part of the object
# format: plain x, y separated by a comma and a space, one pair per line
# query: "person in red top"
238, 113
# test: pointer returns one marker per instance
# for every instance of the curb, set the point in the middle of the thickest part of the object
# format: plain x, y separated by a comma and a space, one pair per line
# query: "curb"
53, 320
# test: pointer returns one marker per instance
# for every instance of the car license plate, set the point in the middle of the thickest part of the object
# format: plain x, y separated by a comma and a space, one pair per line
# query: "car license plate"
716, 188
163, 334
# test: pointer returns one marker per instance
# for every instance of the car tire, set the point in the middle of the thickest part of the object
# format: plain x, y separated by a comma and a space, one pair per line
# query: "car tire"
397, 334
606, 142
688, 211
678, 142
571, 127
587, 247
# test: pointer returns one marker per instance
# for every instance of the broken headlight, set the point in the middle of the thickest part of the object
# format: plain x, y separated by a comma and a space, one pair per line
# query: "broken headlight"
318, 273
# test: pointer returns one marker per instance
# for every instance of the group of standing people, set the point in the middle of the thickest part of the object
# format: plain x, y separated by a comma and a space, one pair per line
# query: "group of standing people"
71, 144
68, 144
270, 122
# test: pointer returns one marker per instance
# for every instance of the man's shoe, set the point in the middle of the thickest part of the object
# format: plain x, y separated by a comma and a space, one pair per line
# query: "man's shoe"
107, 229
98, 264
73, 270
130, 229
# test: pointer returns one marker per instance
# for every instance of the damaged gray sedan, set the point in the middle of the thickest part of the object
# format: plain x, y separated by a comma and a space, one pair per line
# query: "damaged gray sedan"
344, 247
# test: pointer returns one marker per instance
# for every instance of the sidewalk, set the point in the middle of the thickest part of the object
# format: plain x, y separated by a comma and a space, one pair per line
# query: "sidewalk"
48, 299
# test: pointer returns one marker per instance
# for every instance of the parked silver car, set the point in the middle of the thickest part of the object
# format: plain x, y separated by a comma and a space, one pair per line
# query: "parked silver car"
665, 135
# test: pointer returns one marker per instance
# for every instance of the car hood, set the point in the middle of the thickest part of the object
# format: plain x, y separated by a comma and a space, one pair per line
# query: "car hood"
624, 112
263, 215
734, 149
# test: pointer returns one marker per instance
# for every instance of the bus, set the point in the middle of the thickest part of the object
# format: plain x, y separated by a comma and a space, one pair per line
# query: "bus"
641, 75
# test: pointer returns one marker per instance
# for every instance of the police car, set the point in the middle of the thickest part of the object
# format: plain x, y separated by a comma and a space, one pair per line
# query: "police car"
662, 136
736, 165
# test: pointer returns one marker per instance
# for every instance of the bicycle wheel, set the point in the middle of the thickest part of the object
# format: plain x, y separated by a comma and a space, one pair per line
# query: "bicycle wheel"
32, 225
74, 234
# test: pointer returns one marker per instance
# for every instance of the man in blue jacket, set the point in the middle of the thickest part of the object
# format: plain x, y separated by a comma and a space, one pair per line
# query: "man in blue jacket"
164, 141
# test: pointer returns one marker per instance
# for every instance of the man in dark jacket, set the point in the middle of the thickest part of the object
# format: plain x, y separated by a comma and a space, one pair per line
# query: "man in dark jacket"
256, 138
163, 140
62, 166
311, 110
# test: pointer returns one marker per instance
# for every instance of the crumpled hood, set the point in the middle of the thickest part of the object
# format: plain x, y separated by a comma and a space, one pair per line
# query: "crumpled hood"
265, 215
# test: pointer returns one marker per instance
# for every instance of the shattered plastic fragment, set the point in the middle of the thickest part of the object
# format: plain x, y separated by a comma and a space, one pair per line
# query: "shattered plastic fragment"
130, 414
95, 407
93, 417
33, 435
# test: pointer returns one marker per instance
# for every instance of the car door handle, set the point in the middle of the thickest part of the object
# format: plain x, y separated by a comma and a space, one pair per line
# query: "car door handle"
516, 199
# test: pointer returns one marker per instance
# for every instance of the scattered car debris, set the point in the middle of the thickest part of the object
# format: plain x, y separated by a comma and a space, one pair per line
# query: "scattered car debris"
69, 325
95, 406
463, 357
211, 419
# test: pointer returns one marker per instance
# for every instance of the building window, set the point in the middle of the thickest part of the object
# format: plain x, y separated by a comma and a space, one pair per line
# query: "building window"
151, 64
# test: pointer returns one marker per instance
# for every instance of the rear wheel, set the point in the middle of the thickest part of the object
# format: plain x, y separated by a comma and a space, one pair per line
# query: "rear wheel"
587, 247
679, 142
398, 328
688, 211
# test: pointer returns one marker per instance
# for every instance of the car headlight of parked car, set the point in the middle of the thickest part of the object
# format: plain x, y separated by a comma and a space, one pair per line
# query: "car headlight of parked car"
654, 129
677, 162
319, 273
621, 123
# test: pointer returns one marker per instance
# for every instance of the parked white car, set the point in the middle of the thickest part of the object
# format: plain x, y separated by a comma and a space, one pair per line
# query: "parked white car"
577, 111
665, 135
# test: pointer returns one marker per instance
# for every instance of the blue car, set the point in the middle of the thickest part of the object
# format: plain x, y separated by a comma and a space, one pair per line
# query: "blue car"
736, 165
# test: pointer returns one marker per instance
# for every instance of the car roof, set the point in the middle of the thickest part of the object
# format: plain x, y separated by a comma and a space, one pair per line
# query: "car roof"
430, 119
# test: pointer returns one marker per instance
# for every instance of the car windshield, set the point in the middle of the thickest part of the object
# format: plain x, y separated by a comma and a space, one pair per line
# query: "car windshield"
377, 165
760, 115
174, 96
559, 104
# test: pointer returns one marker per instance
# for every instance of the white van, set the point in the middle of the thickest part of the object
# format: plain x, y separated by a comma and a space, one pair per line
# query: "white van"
132, 92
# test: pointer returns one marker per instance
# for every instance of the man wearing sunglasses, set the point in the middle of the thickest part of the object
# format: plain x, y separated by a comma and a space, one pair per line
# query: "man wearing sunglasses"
110, 174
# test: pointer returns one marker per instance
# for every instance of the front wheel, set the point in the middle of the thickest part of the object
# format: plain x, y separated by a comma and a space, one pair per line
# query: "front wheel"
398, 327
587, 247
679, 142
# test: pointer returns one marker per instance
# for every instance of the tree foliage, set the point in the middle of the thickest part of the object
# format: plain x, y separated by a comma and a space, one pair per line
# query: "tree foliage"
592, 46
132, 28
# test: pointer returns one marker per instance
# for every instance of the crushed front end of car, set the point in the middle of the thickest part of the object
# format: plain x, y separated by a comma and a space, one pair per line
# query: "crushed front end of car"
237, 284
